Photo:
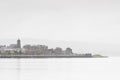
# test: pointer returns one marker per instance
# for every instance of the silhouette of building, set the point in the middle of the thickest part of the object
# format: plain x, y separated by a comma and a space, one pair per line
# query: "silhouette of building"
35, 49
68, 51
58, 50
18, 43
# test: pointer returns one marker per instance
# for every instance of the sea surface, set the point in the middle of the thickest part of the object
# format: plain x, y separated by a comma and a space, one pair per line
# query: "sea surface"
60, 69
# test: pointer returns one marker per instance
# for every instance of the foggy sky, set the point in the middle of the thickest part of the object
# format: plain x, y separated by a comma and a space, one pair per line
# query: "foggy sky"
91, 21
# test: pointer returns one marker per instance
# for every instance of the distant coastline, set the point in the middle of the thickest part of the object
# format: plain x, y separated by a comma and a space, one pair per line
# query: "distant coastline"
40, 51
39, 56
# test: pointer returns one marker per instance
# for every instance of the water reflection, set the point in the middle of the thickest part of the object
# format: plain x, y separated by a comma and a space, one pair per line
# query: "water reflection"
60, 69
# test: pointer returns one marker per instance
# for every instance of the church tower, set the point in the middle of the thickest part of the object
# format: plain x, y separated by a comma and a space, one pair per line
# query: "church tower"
18, 43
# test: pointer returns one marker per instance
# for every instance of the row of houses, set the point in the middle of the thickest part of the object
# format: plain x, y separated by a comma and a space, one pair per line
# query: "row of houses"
33, 49
16, 49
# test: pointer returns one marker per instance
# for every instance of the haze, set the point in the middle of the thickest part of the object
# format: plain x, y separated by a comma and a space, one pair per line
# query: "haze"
90, 24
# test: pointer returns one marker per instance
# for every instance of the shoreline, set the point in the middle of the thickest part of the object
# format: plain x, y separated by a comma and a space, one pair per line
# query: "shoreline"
39, 56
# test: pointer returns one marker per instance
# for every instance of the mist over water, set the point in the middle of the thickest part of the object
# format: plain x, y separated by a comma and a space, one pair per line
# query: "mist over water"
60, 69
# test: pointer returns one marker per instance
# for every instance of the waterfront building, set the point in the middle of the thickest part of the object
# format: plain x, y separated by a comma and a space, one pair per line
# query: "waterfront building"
35, 49
68, 51
18, 43
58, 50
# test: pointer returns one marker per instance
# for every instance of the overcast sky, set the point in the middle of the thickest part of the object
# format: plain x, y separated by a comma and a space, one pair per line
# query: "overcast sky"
91, 21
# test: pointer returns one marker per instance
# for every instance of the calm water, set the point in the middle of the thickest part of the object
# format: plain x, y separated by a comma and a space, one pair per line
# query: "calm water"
60, 69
